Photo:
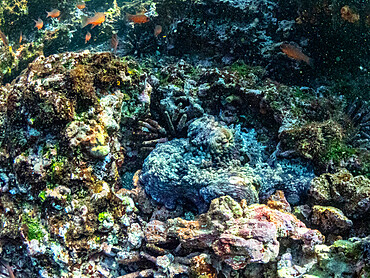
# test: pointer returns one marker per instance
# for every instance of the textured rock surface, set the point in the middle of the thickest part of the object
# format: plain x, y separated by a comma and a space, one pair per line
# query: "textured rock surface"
330, 220
291, 177
240, 234
344, 258
343, 190
278, 201
60, 146
200, 168
72, 125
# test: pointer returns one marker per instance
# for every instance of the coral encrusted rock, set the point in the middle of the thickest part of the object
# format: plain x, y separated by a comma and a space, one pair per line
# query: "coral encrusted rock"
343, 190
195, 170
60, 157
344, 258
239, 234
330, 219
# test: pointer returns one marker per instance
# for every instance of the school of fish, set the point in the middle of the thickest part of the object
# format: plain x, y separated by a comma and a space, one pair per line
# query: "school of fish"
290, 50
96, 20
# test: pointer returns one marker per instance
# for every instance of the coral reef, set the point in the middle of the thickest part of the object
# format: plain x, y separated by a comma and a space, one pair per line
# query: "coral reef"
239, 234
61, 122
213, 151
284, 176
75, 126
200, 168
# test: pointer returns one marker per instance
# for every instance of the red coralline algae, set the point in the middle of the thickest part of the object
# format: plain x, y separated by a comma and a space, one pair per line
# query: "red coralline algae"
236, 233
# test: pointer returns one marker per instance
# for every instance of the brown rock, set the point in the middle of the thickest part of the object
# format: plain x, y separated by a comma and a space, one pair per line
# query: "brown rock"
330, 220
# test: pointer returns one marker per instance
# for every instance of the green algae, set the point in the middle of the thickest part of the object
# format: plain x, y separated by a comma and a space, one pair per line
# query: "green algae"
336, 151
34, 230
103, 216
244, 69
341, 259
348, 249
56, 172
42, 195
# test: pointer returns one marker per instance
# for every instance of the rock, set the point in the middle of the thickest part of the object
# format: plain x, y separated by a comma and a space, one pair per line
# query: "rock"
342, 189
313, 140
155, 232
286, 267
135, 235
303, 213
292, 177
196, 170
330, 220
239, 234
278, 201
344, 258
201, 266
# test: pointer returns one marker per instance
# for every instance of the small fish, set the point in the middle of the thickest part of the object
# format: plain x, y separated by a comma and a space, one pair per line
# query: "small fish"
20, 38
137, 18
8, 268
87, 37
157, 30
114, 42
39, 23
97, 19
4, 39
54, 13
81, 5
295, 52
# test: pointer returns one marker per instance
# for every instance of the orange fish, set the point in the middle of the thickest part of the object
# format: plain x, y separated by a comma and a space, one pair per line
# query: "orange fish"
295, 52
114, 42
39, 23
81, 5
4, 39
54, 13
157, 30
137, 18
97, 19
20, 38
87, 37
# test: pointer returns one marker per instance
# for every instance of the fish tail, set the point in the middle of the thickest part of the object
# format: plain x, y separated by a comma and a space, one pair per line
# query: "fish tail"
84, 21
129, 16
311, 62
48, 14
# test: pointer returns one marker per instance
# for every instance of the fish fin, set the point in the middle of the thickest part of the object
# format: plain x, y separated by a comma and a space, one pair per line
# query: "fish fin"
93, 26
311, 62
84, 21
129, 16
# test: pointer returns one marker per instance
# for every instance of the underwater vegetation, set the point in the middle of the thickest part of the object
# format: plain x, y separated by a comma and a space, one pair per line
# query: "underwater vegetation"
175, 138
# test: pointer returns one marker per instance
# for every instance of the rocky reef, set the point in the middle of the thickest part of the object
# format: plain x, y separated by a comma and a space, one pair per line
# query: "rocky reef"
75, 127
204, 138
